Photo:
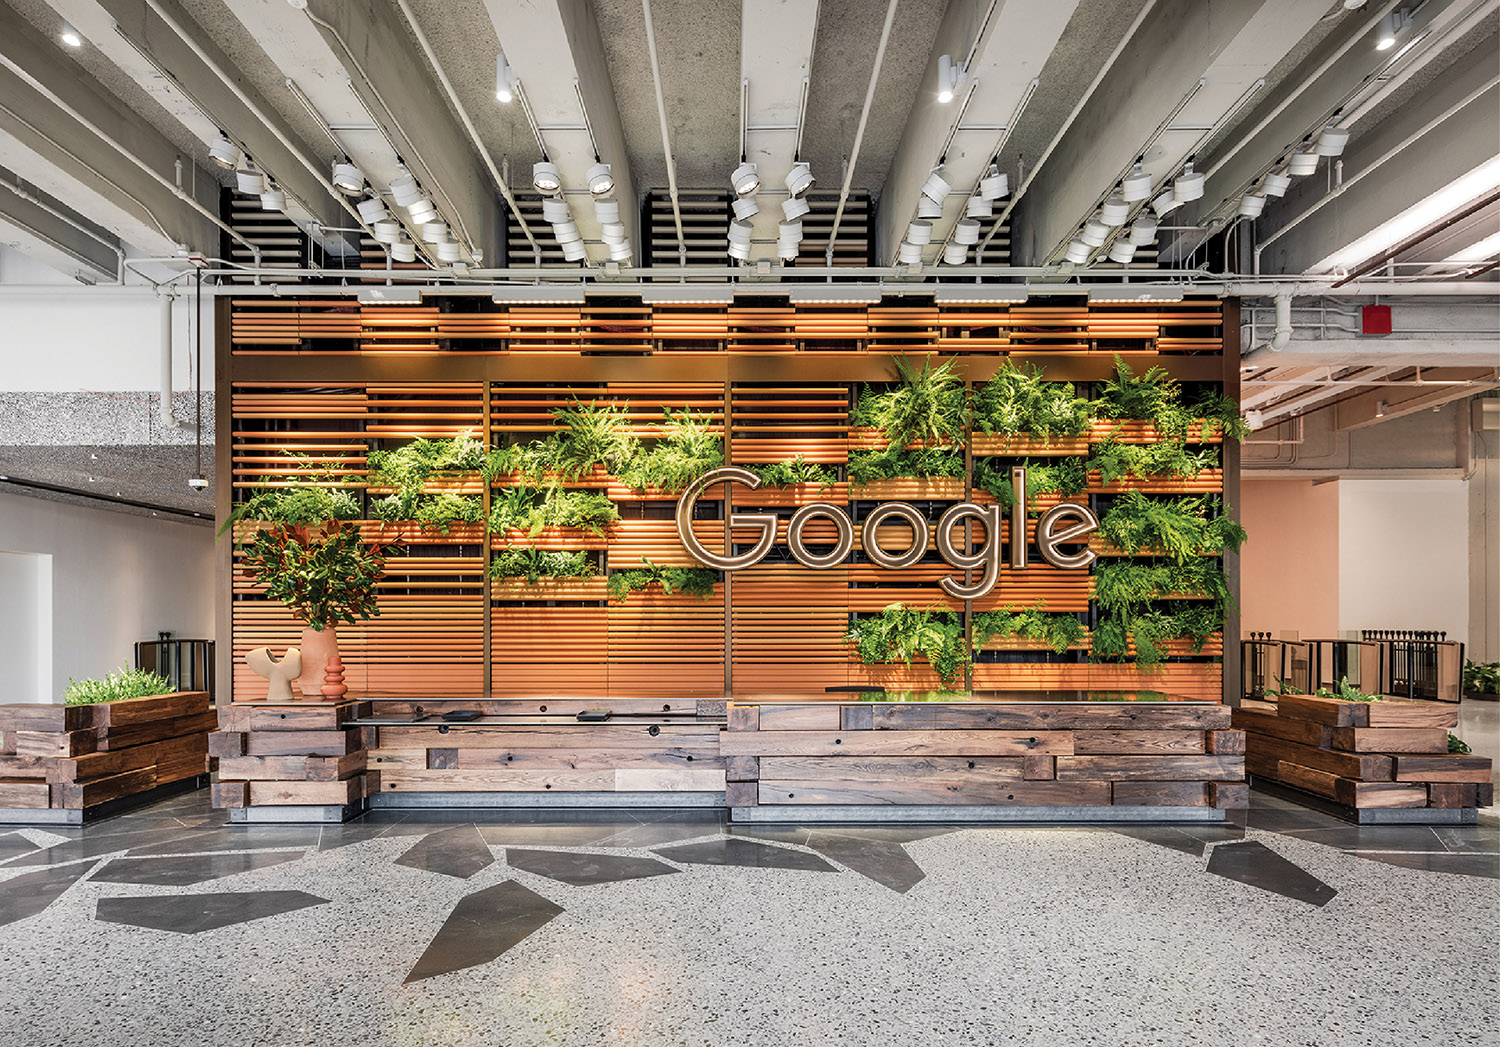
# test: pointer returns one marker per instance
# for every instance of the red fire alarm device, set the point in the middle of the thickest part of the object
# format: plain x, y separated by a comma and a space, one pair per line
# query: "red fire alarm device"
1376, 319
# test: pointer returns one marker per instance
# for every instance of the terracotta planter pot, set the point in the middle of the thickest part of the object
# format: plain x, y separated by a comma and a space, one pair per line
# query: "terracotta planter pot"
318, 646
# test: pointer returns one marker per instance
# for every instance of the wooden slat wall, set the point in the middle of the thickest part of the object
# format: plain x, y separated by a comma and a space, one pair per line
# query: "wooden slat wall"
784, 622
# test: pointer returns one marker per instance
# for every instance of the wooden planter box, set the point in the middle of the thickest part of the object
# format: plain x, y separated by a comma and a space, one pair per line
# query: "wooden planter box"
564, 539
935, 490
1366, 755
793, 494
1136, 432
1016, 446
63, 763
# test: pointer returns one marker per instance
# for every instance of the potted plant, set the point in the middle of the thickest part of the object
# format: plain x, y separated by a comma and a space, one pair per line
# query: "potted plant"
324, 575
1482, 680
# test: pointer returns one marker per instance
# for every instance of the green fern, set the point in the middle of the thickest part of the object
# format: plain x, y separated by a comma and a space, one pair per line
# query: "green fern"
1017, 401
797, 470
1057, 630
890, 463
687, 449
900, 633
533, 564
591, 434
1064, 476
926, 405
692, 581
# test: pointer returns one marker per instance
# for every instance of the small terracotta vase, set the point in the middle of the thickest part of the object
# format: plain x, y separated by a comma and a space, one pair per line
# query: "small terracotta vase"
318, 646
333, 680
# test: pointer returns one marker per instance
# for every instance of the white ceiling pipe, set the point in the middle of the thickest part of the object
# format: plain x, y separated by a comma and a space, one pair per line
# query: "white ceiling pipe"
859, 131
666, 138
164, 396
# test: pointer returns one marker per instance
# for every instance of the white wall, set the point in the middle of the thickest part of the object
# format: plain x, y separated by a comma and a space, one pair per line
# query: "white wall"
25, 626
1404, 555
116, 579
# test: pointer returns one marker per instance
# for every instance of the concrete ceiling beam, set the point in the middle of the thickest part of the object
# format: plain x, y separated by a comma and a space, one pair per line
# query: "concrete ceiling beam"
1013, 44
1387, 403
117, 180
1192, 62
1404, 352
557, 54
44, 229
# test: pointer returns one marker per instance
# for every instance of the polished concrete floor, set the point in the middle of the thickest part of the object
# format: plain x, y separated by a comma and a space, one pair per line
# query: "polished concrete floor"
168, 926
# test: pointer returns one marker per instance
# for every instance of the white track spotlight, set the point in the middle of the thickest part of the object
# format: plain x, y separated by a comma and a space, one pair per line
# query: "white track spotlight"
69, 35
928, 208
224, 153
422, 211
1165, 202
1137, 184
606, 209
620, 252
966, 231
273, 199
248, 180
919, 232
1188, 186
1078, 252
1251, 205
1276, 184
601, 182
404, 189
386, 232
745, 208
574, 251
739, 233
372, 210
787, 250
612, 232
910, 254
545, 177
789, 232
745, 180
1143, 230
1304, 163
505, 83
951, 76
404, 251
1332, 141
799, 179
955, 253
1114, 212
554, 211
1094, 233
739, 251
994, 184
566, 232
449, 251
977, 207
1390, 26
936, 187
794, 208
348, 179
1122, 251
435, 232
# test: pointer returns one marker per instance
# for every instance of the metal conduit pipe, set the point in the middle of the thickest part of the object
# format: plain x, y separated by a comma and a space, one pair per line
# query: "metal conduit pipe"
114, 143
255, 110
666, 140
859, 132
168, 416
1279, 337
1374, 165
1088, 93
35, 201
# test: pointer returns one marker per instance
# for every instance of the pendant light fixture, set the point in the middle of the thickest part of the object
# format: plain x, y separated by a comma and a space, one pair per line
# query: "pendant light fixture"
545, 176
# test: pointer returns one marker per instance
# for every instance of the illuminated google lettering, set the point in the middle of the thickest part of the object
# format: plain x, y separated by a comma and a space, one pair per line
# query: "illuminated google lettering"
1062, 525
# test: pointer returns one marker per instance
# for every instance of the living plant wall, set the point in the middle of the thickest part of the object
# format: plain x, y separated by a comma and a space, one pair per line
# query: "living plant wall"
529, 523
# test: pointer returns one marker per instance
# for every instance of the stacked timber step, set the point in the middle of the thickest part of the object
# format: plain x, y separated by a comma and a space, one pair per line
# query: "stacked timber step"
303, 760
529, 751
1366, 757
68, 763
979, 759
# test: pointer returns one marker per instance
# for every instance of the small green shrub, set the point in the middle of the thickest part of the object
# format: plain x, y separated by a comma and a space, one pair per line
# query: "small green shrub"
1482, 677
1057, 630
1179, 529
926, 405
797, 470
117, 686
900, 633
533, 564
1458, 745
440, 511
692, 581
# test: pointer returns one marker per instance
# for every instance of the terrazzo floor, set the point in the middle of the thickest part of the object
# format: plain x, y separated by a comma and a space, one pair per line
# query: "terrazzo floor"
169, 926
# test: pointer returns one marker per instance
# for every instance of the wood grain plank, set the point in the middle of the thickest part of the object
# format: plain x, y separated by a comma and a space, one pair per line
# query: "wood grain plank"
1140, 743
1049, 794
1149, 768
897, 743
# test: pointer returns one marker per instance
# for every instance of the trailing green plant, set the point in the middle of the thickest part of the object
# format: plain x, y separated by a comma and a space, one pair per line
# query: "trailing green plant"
1216, 408
408, 468
1127, 593
687, 449
926, 405
313, 496
1458, 745
1178, 528
1064, 476
1018, 401
323, 578
591, 434
900, 633
122, 684
1115, 460
1155, 396
1123, 584
890, 463
1058, 631
530, 510
440, 511
1482, 677
533, 564
691, 581
1347, 692
797, 470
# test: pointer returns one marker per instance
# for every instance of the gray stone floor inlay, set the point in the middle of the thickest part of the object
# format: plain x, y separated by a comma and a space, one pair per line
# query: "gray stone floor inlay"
31, 893
91, 846
1485, 865
885, 863
187, 869
233, 838
482, 927
459, 852
196, 913
745, 853
1163, 836
1252, 862
583, 870
12, 844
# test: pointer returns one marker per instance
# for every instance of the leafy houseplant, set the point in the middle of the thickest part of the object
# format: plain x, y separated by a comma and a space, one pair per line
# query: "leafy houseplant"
900, 633
693, 581
1057, 630
1018, 402
794, 471
533, 564
117, 686
1179, 529
894, 462
1482, 677
687, 449
1064, 476
927, 405
526, 509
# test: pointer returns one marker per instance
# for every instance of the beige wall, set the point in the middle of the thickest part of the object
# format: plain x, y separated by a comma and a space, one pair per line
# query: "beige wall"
1289, 567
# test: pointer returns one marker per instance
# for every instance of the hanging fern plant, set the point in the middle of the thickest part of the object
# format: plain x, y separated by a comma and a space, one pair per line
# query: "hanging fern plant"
1017, 401
926, 406
687, 448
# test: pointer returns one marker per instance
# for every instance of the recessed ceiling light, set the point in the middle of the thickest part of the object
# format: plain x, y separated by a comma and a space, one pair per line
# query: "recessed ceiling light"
70, 36
504, 82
